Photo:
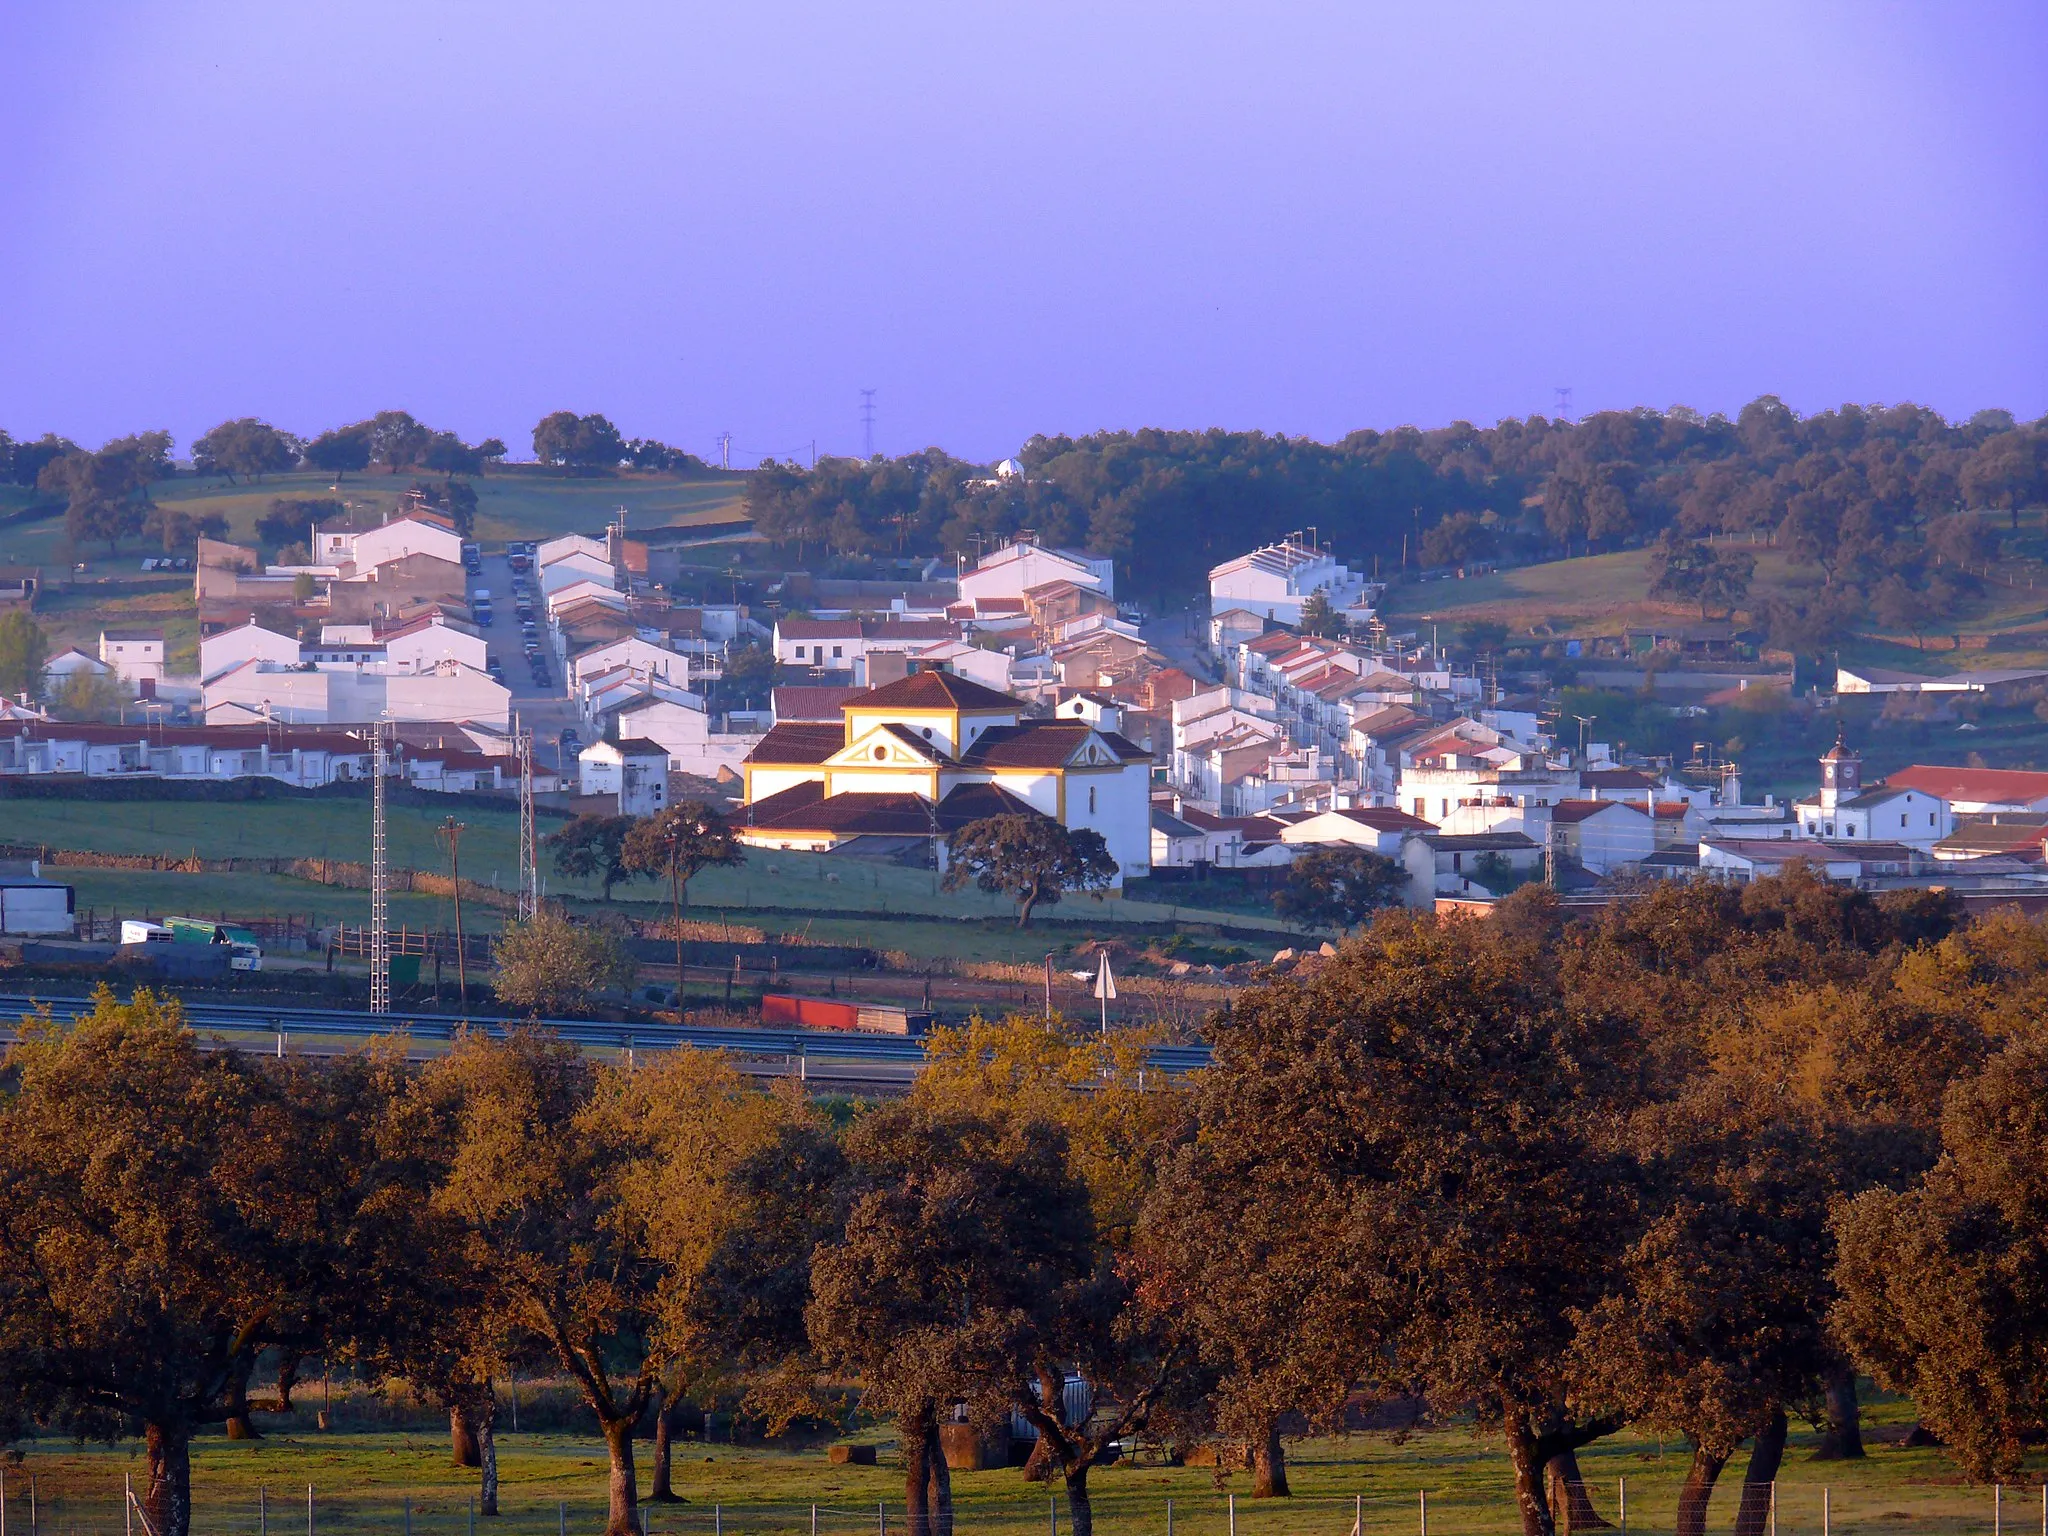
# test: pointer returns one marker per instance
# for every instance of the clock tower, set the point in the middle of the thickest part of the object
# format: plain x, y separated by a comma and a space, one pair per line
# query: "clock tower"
1841, 774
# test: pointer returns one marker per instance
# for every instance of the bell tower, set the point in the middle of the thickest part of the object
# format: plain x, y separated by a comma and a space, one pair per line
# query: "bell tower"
1841, 774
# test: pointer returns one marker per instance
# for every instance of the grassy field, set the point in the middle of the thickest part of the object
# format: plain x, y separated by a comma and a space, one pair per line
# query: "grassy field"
512, 505
1603, 595
370, 1480
849, 901
153, 893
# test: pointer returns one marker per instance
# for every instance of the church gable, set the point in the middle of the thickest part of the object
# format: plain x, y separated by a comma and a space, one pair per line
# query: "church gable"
887, 746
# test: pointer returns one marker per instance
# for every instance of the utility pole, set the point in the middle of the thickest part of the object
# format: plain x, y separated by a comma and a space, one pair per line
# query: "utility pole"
529, 848
450, 832
725, 450
1564, 402
867, 423
380, 878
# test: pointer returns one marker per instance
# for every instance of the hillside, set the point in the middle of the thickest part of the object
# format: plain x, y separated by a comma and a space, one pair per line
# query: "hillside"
518, 503
1603, 596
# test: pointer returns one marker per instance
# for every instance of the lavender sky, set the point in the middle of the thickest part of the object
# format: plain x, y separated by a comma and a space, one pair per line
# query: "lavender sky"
1011, 218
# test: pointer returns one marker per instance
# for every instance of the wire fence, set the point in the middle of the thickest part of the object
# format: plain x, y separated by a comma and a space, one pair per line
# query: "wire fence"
1783, 1509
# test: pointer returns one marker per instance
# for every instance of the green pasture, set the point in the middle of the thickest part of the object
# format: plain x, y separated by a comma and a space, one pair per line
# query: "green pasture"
828, 900
1603, 595
516, 504
778, 881
1449, 1480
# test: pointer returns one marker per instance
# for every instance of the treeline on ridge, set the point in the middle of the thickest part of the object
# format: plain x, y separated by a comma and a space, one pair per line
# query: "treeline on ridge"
1861, 494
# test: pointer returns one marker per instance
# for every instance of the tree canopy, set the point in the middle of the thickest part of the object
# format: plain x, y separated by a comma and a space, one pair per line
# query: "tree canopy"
1028, 857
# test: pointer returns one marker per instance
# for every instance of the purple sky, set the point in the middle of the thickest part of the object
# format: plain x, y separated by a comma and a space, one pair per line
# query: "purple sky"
1008, 219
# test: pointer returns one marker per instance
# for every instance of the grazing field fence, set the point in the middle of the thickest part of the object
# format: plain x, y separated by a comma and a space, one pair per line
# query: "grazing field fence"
1800, 1509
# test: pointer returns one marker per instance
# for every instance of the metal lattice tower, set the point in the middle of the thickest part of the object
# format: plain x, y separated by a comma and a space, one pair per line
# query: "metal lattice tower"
380, 880
529, 846
867, 423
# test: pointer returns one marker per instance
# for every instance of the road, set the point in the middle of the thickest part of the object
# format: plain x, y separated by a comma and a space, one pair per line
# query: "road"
546, 710
829, 1060
1175, 636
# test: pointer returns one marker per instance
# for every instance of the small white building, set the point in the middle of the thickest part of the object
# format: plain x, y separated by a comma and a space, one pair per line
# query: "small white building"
306, 694
1018, 567
226, 649
356, 552
577, 565
1742, 860
641, 656
635, 770
1452, 864
135, 655
425, 643
69, 663
31, 905
1382, 829
685, 733
1605, 837
1277, 581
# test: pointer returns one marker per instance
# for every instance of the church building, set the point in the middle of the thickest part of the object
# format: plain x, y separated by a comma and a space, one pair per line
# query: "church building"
916, 759
1844, 811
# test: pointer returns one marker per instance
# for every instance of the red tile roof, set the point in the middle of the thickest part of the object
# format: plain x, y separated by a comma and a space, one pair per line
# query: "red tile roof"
2014, 786
936, 690
813, 703
798, 742
1384, 818
818, 629
1043, 744
1570, 812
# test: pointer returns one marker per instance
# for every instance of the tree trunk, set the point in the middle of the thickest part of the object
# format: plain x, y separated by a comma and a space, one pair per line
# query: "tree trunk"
462, 1443
1754, 1516
1269, 1466
917, 1431
1571, 1503
486, 1420
941, 1488
664, 1453
1080, 1508
1528, 1461
1697, 1490
623, 1517
239, 1424
1842, 1435
167, 1496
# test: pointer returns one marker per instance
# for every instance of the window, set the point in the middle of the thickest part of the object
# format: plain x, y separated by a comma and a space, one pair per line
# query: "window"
1902, 818
837, 652
1091, 799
